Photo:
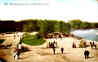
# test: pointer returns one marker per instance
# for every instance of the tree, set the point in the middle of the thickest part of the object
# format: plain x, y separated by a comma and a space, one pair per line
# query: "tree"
75, 24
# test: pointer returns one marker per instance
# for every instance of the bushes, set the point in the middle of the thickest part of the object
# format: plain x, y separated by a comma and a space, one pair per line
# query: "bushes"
33, 39
1, 41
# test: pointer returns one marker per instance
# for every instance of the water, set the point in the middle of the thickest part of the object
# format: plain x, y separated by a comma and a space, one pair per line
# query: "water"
89, 34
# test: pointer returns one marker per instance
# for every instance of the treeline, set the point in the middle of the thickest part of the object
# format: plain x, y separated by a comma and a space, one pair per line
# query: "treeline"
7, 26
78, 24
44, 26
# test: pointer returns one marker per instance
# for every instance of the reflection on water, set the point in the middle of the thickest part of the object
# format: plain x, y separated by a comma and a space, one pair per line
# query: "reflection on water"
90, 34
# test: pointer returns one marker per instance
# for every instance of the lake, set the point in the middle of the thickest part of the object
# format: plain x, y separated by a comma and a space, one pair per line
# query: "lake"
89, 34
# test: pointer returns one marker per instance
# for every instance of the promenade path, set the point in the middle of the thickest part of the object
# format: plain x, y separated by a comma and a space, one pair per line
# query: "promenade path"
43, 54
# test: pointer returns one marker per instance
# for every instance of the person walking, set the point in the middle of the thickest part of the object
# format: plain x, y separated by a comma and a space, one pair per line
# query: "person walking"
86, 54
53, 47
54, 51
62, 50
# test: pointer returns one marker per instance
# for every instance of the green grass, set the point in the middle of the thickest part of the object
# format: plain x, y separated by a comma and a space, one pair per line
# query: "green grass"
1, 41
33, 40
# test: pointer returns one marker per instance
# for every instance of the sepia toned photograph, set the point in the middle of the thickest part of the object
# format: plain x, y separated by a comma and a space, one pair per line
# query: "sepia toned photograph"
48, 30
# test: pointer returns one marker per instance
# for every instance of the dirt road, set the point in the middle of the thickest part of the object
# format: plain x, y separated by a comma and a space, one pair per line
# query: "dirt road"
43, 54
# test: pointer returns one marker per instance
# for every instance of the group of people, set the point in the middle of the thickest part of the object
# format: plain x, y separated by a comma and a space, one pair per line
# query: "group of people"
86, 52
84, 44
93, 44
53, 45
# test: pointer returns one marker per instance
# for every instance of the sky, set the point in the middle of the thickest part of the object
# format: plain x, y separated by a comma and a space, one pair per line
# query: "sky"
85, 10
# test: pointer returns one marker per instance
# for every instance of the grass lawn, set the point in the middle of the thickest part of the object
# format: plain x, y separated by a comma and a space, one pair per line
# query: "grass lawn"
33, 40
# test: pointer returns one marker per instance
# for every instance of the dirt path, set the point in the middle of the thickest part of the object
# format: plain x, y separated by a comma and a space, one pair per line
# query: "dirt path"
46, 55
43, 54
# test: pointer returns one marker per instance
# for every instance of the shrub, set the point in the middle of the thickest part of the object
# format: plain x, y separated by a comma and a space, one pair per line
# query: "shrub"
33, 39
1, 41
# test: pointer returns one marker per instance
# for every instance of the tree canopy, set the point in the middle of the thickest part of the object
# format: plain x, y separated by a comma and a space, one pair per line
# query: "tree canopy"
45, 26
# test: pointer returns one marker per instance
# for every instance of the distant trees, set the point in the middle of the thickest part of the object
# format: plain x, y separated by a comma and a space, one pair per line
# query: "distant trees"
44, 26
7, 26
78, 24
29, 25
64, 27
75, 24
95, 25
